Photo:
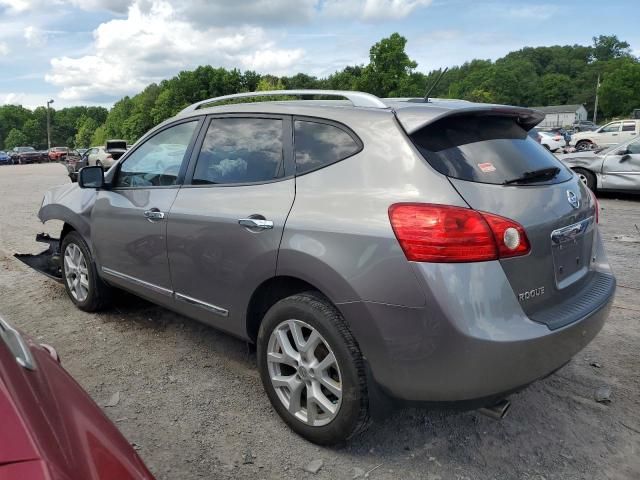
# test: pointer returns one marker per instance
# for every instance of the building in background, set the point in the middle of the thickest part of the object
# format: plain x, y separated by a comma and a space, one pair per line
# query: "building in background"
561, 115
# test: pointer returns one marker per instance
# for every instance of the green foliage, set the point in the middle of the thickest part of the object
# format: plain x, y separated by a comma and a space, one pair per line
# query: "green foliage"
15, 138
608, 47
99, 136
530, 77
86, 129
388, 67
620, 89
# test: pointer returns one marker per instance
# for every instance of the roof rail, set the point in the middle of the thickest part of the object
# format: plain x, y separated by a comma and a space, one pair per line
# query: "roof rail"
358, 99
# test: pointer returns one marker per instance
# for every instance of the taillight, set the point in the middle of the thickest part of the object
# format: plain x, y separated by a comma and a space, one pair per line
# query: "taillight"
443, 233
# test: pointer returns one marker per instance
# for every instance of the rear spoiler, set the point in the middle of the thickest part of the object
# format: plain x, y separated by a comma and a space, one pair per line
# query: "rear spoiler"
413, 118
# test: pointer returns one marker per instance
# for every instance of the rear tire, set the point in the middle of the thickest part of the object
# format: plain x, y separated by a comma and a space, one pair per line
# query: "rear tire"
293, 384
85, 288
587, 178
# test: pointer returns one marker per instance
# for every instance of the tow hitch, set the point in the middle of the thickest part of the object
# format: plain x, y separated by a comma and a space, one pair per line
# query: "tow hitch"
46, 262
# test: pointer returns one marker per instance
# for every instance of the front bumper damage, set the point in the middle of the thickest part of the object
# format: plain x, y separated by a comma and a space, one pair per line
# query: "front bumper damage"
46, 262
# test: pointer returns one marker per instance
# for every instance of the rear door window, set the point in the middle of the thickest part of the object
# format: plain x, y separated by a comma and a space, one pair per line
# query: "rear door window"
484, 149
240, 150
320, 144
629, 127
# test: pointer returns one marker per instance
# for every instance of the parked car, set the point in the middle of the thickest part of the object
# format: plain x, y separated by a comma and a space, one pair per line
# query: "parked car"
584, 126
608, 135
21, 155
551, 142
534, 133
5, 158
99, 156
81, 151
614, 168
51, 429
57, 153
386, 251
112, 151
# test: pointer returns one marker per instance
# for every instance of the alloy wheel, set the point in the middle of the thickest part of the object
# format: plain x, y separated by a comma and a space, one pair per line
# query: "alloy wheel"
583, 178
76, 272
304, 372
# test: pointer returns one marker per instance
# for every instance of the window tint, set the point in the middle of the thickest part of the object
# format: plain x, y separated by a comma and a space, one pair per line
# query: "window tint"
157, 161
483, 149
629, 127
320, 144
240, 150
612, 127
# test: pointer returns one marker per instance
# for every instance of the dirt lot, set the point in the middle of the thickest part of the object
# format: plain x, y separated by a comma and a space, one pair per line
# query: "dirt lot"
192, 403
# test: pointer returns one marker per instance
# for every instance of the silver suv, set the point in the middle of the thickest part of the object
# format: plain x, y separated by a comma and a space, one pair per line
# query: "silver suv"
374, 250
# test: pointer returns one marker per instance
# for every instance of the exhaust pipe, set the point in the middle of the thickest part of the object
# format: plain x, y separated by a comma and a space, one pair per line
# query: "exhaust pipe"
498, 410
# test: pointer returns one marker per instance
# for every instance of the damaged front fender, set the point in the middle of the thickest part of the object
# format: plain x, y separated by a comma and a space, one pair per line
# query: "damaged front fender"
71, 204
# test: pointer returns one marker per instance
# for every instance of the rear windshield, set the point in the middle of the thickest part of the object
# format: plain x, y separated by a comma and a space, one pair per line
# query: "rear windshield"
485, 149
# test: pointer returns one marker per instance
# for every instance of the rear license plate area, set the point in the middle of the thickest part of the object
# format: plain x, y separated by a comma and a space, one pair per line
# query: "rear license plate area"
571, 248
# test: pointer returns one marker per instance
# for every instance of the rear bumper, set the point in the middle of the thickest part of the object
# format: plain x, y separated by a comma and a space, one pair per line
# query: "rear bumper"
472, 340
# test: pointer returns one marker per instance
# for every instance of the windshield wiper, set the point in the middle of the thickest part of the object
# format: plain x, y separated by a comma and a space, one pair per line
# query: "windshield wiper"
535, 175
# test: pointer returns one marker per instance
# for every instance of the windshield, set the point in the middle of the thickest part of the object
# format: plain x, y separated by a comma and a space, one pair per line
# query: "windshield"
26, 149
485, 149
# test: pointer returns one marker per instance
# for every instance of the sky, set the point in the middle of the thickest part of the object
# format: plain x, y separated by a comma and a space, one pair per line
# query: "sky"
93, 52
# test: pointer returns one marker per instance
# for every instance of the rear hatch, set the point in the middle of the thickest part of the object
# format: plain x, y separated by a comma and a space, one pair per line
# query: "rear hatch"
497, 168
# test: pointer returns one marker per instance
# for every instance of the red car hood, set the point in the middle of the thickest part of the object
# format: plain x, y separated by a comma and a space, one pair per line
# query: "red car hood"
50, 425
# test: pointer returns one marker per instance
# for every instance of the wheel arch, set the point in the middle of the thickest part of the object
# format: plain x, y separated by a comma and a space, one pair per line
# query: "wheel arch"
268, 293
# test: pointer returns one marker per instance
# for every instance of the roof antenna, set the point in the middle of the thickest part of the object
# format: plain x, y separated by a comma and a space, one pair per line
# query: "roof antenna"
434, 85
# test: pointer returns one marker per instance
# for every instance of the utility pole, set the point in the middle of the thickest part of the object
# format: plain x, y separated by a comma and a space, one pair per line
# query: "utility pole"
49, 125
595, 108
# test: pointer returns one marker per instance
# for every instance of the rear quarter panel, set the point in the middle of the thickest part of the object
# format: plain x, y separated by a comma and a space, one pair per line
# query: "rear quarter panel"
338, 236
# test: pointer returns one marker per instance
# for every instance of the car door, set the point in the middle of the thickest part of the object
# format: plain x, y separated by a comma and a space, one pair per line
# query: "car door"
621, 168
609, 134
128, 231
225, 226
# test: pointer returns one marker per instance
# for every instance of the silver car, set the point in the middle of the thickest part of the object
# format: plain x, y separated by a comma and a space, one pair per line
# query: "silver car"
376, 251
614, 168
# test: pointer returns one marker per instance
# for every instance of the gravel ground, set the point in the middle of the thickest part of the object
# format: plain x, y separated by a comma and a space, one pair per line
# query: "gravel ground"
192, 403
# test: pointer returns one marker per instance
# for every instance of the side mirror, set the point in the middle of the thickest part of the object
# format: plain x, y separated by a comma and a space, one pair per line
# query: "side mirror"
625, 157
91, 177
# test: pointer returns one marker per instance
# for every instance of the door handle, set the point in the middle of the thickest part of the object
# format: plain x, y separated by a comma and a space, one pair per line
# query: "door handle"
154, 214
256, 223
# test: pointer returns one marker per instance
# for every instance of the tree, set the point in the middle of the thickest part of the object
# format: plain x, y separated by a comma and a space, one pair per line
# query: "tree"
619, 92
86, 129
388, 67
99, 136
608, 47
15, 138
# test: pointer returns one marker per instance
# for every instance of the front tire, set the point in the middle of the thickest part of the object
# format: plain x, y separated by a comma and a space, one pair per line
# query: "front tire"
312, 369
83, 285
583, 145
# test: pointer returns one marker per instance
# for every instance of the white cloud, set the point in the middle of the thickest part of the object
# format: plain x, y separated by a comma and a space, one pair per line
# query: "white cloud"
4, 49
117, 6
154, 42
20, 6
248, 12
12, 99
372, 10
35, 37
532, 12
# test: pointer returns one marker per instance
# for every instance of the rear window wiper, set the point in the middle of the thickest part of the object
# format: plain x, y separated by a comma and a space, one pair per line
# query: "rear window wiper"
535, 175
